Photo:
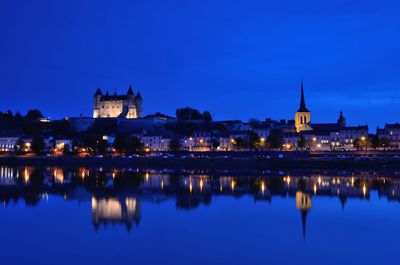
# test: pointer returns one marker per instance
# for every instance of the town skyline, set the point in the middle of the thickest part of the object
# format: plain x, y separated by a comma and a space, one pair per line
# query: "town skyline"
240, 62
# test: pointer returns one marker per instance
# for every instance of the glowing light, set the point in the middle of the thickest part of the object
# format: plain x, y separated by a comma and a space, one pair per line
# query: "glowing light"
315, 188
262, 187
288, 180
364, 190
233, 184
201, 185
26, 175
190, 187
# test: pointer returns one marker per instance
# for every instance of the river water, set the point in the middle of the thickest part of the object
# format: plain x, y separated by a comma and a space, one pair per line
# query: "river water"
129, 216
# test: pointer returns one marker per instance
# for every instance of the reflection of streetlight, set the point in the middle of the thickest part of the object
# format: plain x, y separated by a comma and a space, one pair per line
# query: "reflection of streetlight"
362, 138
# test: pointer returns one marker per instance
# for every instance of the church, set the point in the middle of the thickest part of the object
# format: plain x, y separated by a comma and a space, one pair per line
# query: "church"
117, 106
322, 136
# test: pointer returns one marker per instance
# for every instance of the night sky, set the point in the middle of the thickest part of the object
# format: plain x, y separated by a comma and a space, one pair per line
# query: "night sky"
237, 59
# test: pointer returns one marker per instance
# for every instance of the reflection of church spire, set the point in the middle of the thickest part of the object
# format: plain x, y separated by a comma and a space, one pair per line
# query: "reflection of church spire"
303, 203
343, 201
304, 221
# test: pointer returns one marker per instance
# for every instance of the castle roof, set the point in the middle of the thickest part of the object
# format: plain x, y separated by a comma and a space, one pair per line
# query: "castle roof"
113, 97
302, 107
130, 91
98, 92
107, 96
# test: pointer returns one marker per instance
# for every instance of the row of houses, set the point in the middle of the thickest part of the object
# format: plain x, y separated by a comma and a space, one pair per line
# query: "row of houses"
322, 137
9, 139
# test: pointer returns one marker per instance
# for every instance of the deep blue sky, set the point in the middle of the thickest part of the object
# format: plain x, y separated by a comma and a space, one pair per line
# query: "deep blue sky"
238, 59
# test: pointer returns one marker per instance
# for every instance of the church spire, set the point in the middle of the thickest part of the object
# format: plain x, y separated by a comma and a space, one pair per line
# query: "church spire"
303, 107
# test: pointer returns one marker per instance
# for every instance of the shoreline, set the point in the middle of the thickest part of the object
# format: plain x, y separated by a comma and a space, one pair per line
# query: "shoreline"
247, 161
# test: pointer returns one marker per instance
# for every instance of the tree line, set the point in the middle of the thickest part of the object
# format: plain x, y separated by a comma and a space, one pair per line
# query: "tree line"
31, 115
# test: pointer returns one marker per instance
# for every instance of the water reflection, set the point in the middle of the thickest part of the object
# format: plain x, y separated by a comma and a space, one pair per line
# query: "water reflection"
116, 210
116, 195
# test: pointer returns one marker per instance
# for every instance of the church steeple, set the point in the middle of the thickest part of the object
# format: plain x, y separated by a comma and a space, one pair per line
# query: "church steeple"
303, 115
303, 107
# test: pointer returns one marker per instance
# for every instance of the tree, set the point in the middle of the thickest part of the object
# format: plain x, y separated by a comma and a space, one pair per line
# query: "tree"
357, 144
254, 140
239, 143
38, 145
175, 145
90, 141
360, 143
275, 141
33, 115
207, 116
121, 143
102, 146
302, 142
19, 145
384, 142
66, 149
374, 140
135, 145
188, 114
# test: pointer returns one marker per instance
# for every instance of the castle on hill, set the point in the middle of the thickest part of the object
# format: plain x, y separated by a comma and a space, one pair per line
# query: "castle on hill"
117, 106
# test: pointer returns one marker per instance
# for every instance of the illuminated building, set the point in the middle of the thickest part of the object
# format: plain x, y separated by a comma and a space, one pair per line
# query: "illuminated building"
117, 106
303, 115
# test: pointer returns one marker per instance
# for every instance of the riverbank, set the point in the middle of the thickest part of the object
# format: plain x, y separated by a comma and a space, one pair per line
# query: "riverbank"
251, 161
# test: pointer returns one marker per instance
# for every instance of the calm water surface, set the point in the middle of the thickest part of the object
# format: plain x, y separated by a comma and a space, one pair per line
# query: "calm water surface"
128, 216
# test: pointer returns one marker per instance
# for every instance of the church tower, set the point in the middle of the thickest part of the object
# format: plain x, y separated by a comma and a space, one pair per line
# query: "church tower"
303, 115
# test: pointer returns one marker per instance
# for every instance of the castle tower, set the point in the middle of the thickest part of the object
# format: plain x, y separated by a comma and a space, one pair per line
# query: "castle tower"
303, 115
139, 105
131, 107
97, 98
342, 120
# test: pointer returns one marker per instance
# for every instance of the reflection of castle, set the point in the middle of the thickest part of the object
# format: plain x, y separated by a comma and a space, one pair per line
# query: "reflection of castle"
113, 210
